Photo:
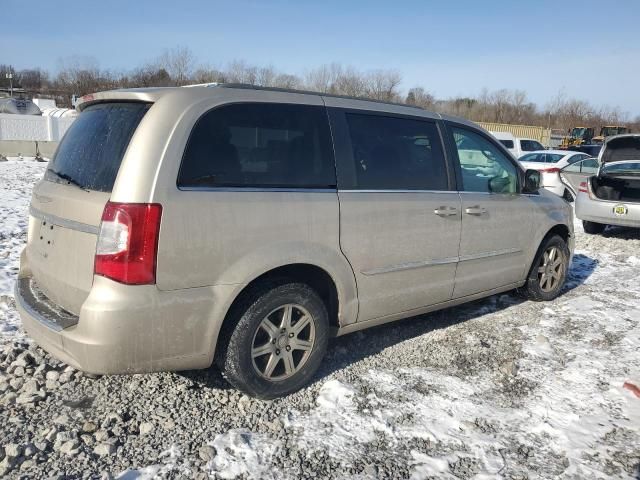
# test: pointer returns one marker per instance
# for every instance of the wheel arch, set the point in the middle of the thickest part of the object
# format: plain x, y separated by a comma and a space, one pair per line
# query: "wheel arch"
559, 229
341, 308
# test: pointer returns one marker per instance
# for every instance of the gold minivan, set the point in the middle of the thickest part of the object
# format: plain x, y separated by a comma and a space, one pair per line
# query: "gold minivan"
178, 227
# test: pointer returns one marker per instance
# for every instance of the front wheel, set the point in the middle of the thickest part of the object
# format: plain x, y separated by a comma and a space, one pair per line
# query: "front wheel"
276, 340
593, 228
549, 270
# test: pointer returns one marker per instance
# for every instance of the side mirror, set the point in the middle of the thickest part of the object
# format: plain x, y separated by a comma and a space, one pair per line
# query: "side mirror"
531, 181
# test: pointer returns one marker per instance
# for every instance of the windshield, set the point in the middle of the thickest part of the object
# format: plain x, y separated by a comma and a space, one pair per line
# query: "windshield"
91, 151
622, 168
609, 131
578, 132
542, 157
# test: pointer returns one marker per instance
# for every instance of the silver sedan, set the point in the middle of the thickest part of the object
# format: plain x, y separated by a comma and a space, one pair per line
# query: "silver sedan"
612, 197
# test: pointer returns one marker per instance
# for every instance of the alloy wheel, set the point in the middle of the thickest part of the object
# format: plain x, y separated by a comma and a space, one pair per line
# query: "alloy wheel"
283, 342
551, 269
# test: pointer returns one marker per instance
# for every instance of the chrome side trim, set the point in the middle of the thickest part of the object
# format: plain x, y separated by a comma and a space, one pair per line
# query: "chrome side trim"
257, 189
349, 190
496, 253
441, 261
63, 222
410, 266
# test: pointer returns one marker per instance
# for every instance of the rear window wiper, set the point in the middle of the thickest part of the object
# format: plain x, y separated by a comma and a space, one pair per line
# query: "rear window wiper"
69, 179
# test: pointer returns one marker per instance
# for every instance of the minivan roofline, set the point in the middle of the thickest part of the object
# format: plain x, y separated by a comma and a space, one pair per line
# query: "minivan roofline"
153, 94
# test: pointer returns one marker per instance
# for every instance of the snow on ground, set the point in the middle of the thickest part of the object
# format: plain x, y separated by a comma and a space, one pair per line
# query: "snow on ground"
17, 178
500, 388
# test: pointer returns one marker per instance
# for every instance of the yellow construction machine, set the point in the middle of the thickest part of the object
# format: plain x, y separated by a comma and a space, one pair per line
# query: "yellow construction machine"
609, 130
577, 136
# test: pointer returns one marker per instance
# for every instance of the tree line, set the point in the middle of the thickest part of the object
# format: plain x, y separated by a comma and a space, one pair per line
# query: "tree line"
77, 76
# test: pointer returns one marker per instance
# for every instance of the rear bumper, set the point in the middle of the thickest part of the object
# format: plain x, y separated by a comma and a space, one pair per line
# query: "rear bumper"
602, 211
129, 329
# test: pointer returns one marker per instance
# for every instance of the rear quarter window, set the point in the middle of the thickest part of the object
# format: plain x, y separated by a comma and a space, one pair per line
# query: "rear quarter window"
91, 151
267, 145
530, 145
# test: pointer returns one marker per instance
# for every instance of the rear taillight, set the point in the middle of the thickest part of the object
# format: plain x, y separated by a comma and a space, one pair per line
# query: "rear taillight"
128, 242
585, 187
550, 170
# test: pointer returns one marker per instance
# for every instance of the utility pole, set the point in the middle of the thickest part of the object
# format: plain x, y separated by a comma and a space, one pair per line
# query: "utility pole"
10, 77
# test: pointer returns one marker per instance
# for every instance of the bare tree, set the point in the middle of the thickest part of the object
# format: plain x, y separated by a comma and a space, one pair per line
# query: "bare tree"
149, 76
419, 97
209, 75
383, 85
284, 80
78, 76
179, 63
241, 72
350, 82
324, 78
81, 75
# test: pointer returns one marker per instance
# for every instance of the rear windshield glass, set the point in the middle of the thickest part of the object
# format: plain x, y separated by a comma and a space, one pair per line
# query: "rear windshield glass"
91, 151
628, 168
507, 143
542, 157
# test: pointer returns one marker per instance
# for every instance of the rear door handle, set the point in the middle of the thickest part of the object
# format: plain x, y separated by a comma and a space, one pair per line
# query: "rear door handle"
475, 210
446, 211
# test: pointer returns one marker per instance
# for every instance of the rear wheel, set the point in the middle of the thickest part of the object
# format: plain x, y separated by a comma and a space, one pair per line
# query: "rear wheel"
549, 270
276, 340
593, 228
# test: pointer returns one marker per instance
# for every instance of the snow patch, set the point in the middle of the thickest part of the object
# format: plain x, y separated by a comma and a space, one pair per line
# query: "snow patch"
335, 394
239, 452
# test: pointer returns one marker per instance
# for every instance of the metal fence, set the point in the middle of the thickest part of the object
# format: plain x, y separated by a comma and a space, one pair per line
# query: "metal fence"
541, 134
33, 128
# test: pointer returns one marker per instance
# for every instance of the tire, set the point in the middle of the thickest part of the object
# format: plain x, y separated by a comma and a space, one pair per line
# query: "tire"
546, 279
267, 360
593, 228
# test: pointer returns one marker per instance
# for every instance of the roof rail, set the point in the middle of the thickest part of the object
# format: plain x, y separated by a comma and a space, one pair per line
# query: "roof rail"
248, 86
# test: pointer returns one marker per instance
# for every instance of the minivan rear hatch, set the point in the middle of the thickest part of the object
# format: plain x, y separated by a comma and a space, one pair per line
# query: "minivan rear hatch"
67, 205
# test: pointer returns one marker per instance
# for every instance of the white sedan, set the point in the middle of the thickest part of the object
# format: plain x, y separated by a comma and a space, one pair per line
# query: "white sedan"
549, 163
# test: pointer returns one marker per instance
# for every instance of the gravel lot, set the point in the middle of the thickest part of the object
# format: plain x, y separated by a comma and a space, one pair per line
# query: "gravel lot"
499, 388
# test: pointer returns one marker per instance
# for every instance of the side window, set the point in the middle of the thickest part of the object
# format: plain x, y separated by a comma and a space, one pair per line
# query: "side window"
590, 165
530, 146
396, 153
484, 167
573, 167
260, 145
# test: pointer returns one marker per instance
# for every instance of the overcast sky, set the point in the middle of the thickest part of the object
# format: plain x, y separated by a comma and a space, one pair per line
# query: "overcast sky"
591, 49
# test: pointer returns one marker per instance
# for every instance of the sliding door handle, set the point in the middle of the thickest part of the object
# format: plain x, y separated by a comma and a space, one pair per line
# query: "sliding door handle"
446, 211
475, 210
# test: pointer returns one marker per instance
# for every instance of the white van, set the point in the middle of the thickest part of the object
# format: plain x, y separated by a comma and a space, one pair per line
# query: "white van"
517, 146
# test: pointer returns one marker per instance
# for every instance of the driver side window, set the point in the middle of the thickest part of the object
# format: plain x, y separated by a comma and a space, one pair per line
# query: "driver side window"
484, 167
